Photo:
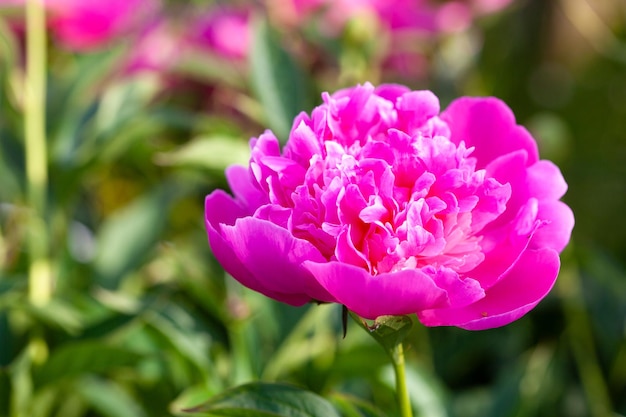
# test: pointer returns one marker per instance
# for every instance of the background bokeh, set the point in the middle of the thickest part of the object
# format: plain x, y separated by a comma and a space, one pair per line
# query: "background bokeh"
148, 102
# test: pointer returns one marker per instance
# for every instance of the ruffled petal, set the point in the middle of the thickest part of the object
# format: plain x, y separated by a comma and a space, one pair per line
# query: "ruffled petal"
527, 283
489, 125
274, 257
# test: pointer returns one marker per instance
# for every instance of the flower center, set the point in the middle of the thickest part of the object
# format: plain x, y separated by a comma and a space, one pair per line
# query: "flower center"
386, 195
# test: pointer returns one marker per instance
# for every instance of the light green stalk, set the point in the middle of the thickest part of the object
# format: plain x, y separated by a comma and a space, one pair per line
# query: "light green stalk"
404, 402
39, 274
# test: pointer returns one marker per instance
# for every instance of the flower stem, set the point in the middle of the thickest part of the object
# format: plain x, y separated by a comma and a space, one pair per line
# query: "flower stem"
39, 274
404, 402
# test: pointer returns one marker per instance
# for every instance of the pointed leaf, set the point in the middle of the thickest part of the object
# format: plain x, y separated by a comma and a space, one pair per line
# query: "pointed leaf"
266, 400
389, 331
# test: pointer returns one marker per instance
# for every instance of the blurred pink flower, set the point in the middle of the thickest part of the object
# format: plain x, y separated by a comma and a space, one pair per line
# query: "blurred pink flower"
380, 203
426, 16
224, 31
87, 24
157, 48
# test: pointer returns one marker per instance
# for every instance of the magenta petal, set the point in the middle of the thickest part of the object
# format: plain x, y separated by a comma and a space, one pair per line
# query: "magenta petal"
395, 293
221, 209
242, 186
527, 283
274, 257
488, 124
545, 181
556, 232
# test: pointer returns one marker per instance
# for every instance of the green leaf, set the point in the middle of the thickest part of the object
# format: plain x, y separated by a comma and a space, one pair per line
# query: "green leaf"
280, 85
389, 331
128, 235
354, 407
108, 398
215, 153
80, 358
266, 400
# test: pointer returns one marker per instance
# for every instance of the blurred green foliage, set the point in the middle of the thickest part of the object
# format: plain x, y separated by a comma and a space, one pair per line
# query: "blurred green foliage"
143, 322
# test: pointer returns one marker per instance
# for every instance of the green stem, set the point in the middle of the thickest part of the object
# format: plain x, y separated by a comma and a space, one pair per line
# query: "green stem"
39, 274
404, 402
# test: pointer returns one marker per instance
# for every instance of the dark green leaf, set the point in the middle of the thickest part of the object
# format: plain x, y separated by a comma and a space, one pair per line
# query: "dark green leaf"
266, 400
280, 85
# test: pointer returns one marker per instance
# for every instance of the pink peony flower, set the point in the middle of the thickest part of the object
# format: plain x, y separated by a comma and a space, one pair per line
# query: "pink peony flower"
88, 24
384, 205
223, 31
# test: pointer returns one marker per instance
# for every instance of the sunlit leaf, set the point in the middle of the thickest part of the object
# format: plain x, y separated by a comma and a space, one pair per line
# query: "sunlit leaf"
215, 153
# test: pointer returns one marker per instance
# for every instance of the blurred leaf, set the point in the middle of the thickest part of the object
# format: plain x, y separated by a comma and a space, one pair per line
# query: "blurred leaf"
57, 313
215, 153
78, 358
207, 67
425, 391
182, 336
72, 98
312, 337
354, 407
127, 236
280, 85
108, 398
266, 400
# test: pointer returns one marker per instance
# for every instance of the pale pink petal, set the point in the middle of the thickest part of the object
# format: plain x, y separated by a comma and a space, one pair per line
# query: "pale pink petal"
525, 285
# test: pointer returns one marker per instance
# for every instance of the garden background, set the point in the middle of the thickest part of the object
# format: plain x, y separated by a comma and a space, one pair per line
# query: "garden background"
141, 321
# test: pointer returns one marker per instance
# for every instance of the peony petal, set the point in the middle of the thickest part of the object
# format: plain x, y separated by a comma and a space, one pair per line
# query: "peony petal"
488, 124
524, 286
220, 209
242, 185
394, 293
555, 234
504, 246
274, 257
545, 181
